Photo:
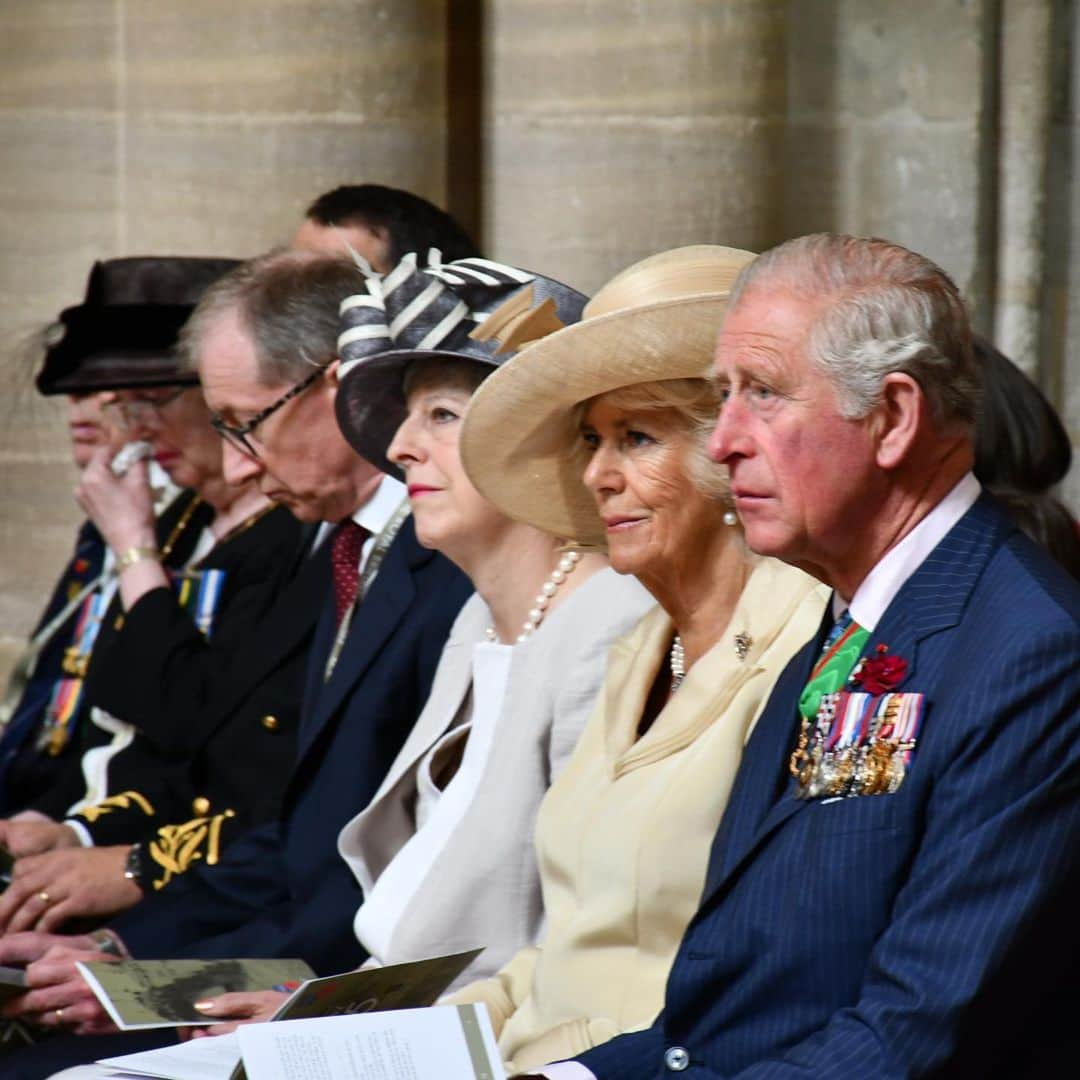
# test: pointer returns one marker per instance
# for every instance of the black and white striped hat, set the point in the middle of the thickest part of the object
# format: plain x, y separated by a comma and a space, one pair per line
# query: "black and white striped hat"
471, 309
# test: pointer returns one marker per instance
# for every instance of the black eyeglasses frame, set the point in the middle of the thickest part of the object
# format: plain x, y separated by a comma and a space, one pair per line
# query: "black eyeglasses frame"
238, 436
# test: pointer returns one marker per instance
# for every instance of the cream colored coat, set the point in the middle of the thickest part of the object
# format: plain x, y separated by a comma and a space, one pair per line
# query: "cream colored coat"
623, 836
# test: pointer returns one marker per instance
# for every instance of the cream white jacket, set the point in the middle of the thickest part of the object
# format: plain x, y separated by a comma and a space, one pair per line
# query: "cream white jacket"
623, 836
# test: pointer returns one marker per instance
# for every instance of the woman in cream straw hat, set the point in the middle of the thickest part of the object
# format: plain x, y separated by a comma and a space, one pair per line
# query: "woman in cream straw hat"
598, 432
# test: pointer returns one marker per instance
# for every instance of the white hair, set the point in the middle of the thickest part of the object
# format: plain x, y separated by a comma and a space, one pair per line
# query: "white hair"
884, 309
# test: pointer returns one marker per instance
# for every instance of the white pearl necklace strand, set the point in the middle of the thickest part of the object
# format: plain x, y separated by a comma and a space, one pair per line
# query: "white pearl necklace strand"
677, 662
543, 598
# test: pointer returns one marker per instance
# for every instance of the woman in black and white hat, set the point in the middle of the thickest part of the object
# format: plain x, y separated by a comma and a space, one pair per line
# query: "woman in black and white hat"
443, 852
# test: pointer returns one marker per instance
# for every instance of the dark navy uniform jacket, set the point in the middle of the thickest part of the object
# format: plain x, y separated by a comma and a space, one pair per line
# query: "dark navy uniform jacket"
24, 772
217, 717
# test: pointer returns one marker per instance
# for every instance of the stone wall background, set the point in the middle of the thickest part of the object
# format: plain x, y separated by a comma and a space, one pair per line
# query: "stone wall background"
572, 136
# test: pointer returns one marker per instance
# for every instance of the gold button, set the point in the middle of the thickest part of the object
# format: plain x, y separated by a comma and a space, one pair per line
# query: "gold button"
200, 806
270, 723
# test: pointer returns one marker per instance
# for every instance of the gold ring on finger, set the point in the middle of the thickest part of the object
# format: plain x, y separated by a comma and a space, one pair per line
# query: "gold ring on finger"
44, 897
60, 1016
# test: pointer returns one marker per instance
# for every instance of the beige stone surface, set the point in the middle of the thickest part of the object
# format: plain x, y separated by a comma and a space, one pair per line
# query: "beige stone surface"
610, 129
58, 54
375, 60
888, 122
616, 129
238, 187
158, 127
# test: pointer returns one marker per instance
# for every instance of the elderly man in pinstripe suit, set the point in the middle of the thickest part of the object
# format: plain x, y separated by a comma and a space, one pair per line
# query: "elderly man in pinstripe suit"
893, 890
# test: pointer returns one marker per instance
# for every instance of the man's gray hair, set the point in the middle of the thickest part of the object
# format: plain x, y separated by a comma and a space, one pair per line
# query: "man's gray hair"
288, 301
884, 309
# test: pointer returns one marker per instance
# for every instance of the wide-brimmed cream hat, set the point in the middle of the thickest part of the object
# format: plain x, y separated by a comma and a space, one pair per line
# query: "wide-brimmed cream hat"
658, 319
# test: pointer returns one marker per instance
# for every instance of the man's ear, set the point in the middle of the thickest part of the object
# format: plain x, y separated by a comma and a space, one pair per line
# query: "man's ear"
332, 373
898, 419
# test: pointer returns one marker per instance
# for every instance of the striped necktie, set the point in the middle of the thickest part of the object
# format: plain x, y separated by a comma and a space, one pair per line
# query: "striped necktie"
839, 655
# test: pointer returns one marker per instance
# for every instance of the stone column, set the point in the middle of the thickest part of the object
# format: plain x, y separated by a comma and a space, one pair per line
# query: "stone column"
1025, 88
617, 129
892, 128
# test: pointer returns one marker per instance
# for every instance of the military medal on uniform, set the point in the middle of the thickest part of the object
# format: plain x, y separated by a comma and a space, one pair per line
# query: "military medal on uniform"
67, 692
198, 592
857, 736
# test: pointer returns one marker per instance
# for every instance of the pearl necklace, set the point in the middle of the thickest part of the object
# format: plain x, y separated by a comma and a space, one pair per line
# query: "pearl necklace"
677, 663
543, 598
677, 657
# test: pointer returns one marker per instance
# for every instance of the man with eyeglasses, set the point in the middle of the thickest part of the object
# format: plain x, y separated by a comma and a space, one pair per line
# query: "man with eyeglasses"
264, 341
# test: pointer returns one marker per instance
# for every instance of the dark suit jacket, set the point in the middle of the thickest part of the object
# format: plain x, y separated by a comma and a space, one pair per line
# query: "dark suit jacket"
282, 889
868, 936
202, 746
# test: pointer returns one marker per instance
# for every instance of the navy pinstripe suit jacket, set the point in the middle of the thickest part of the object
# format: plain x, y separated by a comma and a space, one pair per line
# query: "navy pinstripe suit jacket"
931, 929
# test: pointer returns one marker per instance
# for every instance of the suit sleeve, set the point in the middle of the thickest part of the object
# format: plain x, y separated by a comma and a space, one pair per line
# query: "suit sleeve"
249, 882
244, 906
638, 1054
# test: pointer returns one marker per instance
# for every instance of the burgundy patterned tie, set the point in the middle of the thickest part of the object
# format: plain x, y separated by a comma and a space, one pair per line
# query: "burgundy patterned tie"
345, 547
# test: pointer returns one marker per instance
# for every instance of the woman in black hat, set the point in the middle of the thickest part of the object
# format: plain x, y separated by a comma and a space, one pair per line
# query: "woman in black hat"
122, 334
152, 647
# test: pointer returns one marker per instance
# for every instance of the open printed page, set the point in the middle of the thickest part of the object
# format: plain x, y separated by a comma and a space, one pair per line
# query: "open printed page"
445, 1042
199, 1059
398, 986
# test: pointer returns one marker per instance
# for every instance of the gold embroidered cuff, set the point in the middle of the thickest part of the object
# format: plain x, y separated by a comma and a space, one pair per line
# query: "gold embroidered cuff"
176, 847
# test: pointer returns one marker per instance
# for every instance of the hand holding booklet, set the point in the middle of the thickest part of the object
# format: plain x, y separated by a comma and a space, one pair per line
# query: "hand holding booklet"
143, 994
400, 987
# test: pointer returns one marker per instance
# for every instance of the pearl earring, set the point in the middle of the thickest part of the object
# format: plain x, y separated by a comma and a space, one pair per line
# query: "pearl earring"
730, 517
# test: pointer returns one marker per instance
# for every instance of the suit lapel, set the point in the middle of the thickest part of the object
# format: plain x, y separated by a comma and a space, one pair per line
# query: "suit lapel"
374, 622
761, 775
931, 600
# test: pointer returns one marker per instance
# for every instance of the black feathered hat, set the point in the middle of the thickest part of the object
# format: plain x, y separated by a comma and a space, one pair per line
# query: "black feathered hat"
124, 334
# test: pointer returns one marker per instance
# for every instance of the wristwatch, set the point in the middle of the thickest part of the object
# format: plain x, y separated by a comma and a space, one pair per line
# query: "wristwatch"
133, 865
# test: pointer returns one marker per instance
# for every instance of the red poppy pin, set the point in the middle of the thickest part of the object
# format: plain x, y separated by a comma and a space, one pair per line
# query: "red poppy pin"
880, 674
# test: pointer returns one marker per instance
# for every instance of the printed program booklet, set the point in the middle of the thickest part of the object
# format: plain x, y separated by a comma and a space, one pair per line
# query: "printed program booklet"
447, 1042
399, 986
142, 994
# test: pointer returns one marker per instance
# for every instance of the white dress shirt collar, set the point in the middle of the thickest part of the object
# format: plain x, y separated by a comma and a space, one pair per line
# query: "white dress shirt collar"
373, 515
379, 509
885, 580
